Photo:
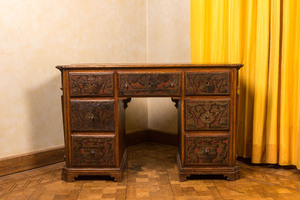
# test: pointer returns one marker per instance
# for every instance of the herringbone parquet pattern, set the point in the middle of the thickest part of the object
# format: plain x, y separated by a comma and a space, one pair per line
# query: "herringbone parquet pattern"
152, 174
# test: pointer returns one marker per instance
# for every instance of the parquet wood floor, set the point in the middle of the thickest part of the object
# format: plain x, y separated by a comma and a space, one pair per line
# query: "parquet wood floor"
152, 174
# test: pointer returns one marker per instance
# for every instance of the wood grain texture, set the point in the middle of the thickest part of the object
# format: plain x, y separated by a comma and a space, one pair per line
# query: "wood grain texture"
92, 115
206, 150
31, 160
205, 96
209, 83
93, 150
107, 66
91, 84
152, 174
149, 84
207, 115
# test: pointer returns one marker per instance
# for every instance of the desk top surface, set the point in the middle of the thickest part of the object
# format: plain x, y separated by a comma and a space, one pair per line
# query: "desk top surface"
147, 65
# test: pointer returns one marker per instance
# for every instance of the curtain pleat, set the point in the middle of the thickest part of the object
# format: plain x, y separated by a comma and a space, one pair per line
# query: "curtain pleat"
271, 151
264, 36
289, 94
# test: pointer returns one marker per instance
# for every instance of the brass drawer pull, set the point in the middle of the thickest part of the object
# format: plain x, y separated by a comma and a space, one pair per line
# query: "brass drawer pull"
126, 84
149, 84
89, 116
206, 150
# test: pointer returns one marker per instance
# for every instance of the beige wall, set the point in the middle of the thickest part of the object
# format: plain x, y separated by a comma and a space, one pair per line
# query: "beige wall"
162, 115
36, 35
168, 41
168, 31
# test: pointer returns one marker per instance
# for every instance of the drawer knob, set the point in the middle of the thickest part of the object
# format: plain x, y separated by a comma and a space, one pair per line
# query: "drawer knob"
89, 116
206, 150
207, 116
126, 84
93, 152
172, 84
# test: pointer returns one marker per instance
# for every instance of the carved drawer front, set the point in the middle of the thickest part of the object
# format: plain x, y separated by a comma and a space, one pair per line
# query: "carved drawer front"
207, 83
92, 115
207, 115
91, 84
149, 84
206, 150
93, 150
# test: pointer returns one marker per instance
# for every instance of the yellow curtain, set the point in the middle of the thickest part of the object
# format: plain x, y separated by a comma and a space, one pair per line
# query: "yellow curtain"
264, 35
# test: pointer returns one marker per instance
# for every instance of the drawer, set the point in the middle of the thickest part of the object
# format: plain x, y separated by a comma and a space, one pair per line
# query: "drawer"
91, 84
149, 84
207, 115
93, 150
92, 115
206, 150
207, 83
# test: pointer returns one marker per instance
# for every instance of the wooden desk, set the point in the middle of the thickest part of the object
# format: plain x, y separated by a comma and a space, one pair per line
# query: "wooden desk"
95, 97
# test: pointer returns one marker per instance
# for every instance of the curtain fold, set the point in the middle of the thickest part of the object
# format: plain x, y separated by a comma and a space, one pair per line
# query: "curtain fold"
264, 36
289, 94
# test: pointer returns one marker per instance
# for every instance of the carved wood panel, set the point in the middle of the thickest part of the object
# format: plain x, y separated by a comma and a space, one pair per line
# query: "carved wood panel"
206, 150
92, 115
207, 115
149, 84
200, 83
91, 84
93, 150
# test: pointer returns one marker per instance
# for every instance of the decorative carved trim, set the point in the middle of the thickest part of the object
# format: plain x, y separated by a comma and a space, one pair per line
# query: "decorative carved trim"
147, 84
207, 83
93, 150
91, 84
92, 115
206, 150
175, 101
126, 101
207, 115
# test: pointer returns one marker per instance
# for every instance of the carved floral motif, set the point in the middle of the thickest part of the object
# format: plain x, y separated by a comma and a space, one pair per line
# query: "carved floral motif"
147, 84
89, 150
207, 115
207, 83
91, 84
92, 115
206, 150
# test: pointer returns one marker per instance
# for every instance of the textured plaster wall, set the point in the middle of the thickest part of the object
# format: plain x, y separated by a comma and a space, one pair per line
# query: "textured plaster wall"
168, 41
37, 35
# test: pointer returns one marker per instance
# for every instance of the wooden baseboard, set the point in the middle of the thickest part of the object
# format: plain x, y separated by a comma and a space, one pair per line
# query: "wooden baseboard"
152, 136
136, 137
54, 155
31, 160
